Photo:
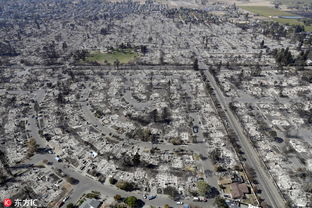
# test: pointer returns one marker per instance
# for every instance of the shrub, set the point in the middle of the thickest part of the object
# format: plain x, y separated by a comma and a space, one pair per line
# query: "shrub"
131, 201
112, 181
124, 185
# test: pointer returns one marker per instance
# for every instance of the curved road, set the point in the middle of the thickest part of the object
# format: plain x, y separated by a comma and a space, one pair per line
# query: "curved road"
87, 183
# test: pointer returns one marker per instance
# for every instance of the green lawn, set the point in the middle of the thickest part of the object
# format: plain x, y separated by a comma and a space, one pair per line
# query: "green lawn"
308, 28
288, 21
124, 56
268, 11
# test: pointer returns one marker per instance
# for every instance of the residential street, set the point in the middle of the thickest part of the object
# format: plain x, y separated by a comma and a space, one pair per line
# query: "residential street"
88, 184
270, 191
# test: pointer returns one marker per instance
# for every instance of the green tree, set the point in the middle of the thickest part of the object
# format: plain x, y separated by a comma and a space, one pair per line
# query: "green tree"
131, 201
32, 147
171, 191
124, 185
203, 188
93, 195
71, 205
288, 204
284, 57
220, 202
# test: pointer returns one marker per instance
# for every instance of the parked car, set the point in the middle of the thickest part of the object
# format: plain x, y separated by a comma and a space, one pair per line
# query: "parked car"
152, 197
195, 199
65, 198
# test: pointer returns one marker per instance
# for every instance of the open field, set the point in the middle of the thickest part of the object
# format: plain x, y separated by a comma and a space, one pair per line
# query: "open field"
124, 56
293, 22
266, 11
308, 28
272, 12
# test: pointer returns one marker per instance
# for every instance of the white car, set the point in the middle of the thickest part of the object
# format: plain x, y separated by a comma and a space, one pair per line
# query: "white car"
179, 203
64, 200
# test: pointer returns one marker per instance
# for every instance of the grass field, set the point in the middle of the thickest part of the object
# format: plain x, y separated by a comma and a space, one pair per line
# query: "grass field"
124, 56
308, 28
268, 11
